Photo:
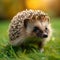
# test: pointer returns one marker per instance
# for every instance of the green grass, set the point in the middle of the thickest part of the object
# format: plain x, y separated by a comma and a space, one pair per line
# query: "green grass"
51, 52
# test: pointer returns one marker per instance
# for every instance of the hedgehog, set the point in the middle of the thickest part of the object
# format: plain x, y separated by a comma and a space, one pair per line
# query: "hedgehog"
30, 23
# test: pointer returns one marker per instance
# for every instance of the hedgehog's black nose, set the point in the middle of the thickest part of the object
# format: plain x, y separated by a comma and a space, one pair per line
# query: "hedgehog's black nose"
45, 35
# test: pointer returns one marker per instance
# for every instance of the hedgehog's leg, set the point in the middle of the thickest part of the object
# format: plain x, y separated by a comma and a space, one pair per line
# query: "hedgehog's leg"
40, 46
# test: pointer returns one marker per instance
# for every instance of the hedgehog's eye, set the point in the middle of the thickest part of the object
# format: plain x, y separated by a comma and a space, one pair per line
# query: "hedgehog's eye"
36, 29
46, 28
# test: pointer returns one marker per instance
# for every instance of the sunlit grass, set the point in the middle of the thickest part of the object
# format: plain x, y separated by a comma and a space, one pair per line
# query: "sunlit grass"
52, 49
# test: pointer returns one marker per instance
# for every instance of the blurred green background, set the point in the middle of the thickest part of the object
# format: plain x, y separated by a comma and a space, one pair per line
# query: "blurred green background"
9, 8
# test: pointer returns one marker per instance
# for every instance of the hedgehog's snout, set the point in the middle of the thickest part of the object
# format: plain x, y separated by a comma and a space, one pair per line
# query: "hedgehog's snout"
45, 35
40, 33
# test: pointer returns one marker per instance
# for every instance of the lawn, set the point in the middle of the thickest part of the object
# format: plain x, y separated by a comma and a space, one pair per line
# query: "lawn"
51, 52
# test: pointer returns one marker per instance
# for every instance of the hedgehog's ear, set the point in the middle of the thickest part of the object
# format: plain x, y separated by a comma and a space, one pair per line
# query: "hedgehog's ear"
26, 23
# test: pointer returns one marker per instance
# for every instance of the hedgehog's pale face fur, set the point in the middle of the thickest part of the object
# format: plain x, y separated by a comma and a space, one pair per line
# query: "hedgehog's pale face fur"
27, 24
38, 28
